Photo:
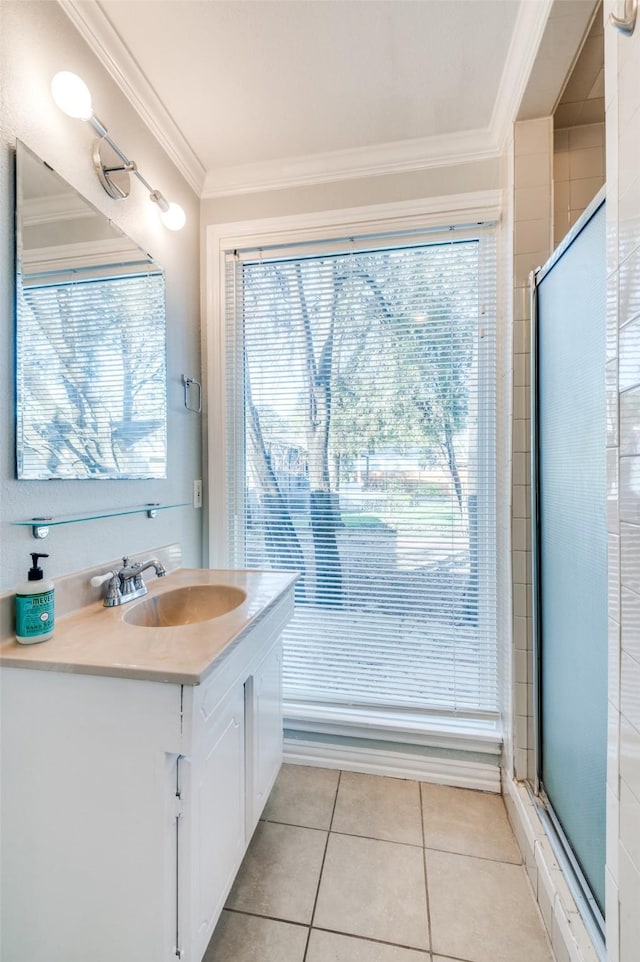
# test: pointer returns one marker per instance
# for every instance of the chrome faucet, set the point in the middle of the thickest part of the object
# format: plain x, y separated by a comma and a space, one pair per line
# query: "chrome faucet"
127, 584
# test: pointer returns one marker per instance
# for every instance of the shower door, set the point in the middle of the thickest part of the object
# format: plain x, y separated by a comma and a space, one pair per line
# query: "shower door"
570, 581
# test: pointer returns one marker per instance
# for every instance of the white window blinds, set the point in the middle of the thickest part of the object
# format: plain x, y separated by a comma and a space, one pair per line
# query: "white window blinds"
91, 375
361, 440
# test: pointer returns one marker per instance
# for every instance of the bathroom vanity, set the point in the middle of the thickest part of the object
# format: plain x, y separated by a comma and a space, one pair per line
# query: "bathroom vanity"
136, 762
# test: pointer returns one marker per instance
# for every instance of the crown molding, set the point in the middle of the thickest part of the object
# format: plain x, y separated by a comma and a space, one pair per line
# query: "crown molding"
51, 210
397, 157
96, 29
530, 25
383, 159
88, 255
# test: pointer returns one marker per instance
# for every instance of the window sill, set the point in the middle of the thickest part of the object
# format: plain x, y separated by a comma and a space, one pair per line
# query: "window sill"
455, 733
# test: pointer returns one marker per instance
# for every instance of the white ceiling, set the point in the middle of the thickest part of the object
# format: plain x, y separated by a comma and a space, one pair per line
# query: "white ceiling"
266, 80
247, 93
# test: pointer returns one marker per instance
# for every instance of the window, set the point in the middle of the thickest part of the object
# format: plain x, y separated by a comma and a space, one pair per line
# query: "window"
361, 425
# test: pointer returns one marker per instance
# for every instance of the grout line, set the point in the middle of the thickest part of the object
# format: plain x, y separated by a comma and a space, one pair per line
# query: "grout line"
275, 821
269, 918
424, 869
481, 858
349, 935
335, 800
452, 958
375, 838
371, 938
324, 855
395, 841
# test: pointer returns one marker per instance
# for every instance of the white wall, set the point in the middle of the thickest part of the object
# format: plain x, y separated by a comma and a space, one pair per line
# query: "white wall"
36, 40
622, 96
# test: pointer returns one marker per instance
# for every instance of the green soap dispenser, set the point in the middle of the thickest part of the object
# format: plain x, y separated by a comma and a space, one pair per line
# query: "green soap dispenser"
35, 605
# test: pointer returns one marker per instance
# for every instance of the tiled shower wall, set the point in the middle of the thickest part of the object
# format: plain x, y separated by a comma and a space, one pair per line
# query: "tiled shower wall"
532, 208
622, 95
578, 173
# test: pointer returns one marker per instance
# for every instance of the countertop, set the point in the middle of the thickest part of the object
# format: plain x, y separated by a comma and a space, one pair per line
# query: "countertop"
97, 640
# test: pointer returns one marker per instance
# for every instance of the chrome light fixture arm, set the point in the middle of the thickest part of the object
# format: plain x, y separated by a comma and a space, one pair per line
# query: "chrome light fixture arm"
112, 165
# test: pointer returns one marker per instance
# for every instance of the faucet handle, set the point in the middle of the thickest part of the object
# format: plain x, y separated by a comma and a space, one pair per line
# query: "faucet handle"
112, 594
98, 580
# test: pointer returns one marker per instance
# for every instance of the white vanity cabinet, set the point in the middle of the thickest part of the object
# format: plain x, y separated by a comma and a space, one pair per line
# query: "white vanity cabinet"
211, 826
128, 804
263, 692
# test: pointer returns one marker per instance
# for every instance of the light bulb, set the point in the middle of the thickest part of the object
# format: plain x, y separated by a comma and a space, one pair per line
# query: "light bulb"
72, 95
174, 218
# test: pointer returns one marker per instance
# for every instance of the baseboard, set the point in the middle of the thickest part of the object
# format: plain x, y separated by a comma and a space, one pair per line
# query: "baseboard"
397, 763
569, 936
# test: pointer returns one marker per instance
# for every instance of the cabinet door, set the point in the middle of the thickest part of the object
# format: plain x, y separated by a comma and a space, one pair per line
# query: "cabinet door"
217, 815
264, 709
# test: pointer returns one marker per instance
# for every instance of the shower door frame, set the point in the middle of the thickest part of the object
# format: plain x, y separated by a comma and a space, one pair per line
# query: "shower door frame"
578, 884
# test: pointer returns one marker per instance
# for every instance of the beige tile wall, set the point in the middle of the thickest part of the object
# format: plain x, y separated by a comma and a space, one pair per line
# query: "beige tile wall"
532, 211
622, 95
578, 173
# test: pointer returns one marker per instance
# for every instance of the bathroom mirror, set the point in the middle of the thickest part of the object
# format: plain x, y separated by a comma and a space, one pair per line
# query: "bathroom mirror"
90, 338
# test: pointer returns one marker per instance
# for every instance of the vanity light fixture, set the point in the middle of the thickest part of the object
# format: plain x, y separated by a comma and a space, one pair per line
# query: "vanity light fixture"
113, 167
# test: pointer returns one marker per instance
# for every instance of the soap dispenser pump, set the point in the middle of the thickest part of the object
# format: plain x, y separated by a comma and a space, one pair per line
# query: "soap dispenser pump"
35, 605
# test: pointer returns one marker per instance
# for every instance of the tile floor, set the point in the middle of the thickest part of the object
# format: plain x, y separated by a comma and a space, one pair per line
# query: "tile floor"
360, 868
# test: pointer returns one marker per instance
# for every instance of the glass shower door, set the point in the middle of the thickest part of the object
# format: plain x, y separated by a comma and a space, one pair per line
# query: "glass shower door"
571, 566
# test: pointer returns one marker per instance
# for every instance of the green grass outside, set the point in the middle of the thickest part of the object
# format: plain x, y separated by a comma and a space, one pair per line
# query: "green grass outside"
397, 515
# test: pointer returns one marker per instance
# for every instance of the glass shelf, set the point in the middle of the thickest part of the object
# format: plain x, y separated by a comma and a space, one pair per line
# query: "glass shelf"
40, 526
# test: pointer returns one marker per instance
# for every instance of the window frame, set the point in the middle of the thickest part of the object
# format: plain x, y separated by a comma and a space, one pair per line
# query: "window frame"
386, 219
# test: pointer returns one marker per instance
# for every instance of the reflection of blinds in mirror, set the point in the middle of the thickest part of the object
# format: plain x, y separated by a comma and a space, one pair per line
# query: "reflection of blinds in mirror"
91, 379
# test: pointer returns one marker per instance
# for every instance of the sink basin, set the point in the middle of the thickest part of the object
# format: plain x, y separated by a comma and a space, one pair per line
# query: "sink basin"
185, 606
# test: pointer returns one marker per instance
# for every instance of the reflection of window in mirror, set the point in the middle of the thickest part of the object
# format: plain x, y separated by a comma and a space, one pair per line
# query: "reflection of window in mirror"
90, 339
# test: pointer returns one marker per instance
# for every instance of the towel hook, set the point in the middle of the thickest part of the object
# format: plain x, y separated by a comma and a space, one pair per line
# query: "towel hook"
626, 23
187, 383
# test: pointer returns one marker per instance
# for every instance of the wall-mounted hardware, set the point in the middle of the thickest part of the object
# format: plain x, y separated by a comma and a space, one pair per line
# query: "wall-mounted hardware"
188, 383
112, 165
40, 526
627, 22
197, 494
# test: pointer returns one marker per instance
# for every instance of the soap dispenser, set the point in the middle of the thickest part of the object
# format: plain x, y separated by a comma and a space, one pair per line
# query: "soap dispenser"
35, 612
